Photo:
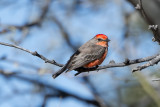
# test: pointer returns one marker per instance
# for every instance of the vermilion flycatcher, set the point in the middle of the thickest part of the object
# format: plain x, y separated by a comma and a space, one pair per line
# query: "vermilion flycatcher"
89, 55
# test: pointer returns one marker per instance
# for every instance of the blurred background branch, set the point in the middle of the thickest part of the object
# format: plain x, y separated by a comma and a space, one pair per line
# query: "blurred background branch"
56, 29
150, 59
147, 16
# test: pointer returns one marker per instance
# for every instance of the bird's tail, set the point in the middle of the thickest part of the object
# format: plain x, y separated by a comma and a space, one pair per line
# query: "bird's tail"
59, 72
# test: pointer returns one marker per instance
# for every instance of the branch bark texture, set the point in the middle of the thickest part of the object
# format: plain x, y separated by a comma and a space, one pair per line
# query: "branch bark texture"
151, 60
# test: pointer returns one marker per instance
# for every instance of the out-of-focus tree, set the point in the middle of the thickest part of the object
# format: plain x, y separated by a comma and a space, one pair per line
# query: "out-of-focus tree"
55, 29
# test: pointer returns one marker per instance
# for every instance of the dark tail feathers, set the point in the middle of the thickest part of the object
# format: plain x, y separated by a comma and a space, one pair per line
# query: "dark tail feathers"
59, 72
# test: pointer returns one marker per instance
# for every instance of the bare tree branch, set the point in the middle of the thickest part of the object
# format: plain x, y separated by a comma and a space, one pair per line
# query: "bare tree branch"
95, 93
127, 62
138, 5
4, 58
148, 64
33, 53
38, 22
60, 95
64, 33
59, 92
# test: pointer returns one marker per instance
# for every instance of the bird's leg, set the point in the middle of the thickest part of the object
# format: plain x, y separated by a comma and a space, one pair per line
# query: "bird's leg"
96, 67
82, 69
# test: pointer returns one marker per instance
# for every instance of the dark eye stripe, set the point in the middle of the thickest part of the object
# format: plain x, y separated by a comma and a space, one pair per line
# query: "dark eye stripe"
99, 39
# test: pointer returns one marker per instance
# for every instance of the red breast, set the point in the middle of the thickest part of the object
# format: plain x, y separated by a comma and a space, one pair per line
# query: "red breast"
96, 62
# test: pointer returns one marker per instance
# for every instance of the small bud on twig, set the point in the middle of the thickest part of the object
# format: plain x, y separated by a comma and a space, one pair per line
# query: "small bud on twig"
153, 27
138, 7
112, 62
153, 39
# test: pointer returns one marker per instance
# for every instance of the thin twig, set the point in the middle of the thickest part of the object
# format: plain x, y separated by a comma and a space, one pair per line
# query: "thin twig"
38, 22
33, 53
139, 6
64, 33
148, 64
127, 62
150, 22
4, 58
95, 93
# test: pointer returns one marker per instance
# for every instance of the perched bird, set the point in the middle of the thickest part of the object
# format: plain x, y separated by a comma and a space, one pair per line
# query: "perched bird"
89, 55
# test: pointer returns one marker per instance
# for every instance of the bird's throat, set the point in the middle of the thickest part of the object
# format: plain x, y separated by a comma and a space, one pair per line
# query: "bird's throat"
102, 43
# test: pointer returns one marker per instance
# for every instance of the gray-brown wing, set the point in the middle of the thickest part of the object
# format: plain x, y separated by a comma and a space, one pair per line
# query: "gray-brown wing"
85, 56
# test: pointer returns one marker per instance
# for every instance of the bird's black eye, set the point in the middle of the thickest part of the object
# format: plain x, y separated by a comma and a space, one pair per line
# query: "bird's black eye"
99, 39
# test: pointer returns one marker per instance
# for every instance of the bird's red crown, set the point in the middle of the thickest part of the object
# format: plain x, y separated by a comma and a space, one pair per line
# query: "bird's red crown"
103, 36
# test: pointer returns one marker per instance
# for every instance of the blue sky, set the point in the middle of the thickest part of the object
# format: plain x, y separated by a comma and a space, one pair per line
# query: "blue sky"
47, 40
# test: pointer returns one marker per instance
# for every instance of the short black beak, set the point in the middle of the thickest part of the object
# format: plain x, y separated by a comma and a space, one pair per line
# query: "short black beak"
108, 40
